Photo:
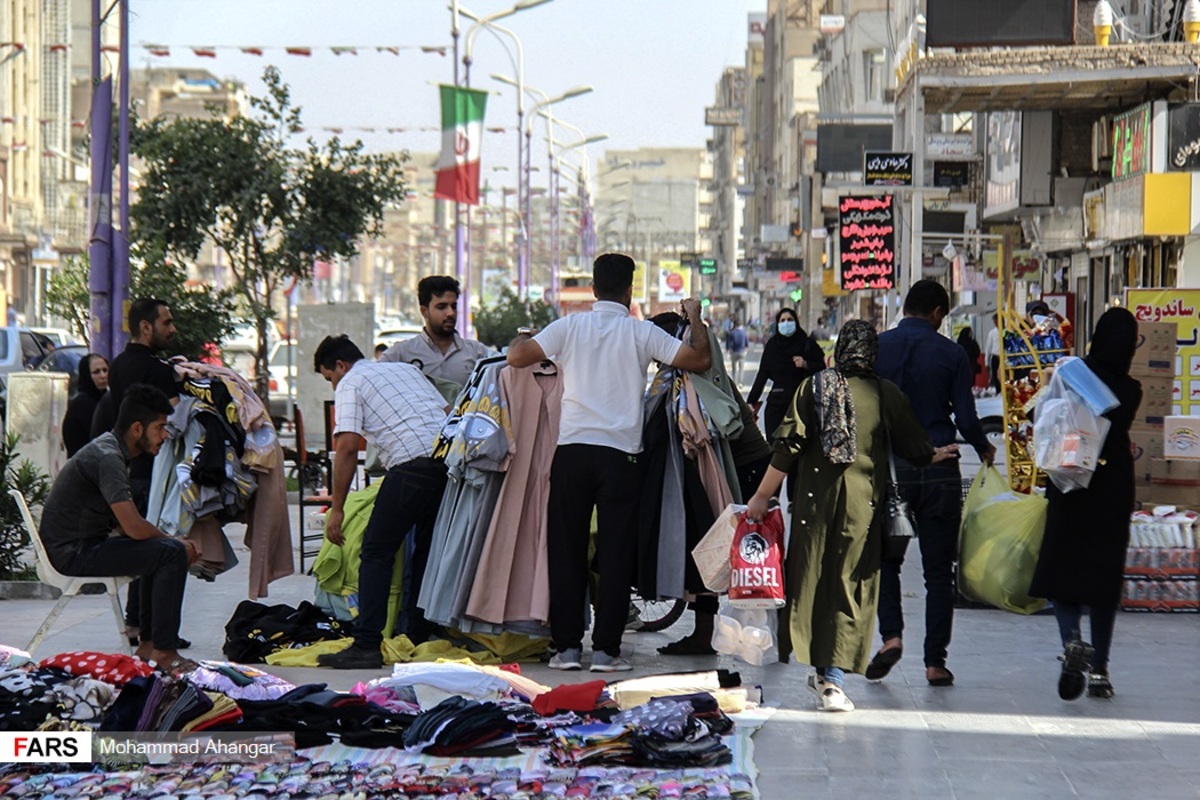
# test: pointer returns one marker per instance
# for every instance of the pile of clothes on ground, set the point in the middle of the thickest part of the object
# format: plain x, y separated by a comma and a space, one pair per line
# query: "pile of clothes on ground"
571, 734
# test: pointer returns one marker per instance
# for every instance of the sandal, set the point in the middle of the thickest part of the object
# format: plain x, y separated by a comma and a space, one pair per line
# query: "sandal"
688, 647
178, 667
883, 662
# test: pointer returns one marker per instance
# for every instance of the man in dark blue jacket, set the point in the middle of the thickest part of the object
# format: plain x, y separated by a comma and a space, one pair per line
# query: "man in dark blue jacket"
933, 371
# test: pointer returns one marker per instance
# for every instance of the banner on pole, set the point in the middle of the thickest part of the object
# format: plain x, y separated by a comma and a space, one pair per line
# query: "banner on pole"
462, 134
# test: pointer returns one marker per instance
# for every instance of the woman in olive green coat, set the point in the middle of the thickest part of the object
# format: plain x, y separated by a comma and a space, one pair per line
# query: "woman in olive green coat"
837, 434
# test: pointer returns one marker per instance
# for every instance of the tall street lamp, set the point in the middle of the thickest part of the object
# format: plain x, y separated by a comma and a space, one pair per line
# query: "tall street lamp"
555, 221
481, 22
545, 103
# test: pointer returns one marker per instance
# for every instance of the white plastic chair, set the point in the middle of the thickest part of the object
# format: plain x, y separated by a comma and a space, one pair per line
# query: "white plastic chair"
69, 585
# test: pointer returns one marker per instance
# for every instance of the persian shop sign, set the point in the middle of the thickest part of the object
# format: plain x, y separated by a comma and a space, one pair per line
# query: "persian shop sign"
1183, 137
868, 242
1131, 143
887, 169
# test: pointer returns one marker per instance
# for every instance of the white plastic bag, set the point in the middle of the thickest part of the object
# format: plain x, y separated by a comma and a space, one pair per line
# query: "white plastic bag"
1067, 436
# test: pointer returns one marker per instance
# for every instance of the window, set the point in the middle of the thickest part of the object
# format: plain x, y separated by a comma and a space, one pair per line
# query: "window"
873, 74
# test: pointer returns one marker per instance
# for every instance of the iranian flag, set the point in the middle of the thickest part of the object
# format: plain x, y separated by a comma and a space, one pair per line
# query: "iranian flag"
462, 133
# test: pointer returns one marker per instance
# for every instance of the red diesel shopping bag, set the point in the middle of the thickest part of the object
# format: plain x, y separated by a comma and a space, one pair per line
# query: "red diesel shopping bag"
756, 562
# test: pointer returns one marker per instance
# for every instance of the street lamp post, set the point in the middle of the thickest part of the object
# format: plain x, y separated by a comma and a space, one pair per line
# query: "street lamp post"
546, 103
555, 220
480, 22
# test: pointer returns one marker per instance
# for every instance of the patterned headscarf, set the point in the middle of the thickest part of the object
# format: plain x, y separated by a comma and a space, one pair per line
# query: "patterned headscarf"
855, 354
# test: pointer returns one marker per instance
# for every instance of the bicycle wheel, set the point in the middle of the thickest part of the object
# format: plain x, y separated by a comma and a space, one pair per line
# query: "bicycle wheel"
654, 615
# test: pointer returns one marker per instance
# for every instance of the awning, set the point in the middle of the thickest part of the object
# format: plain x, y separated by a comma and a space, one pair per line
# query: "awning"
1053, 78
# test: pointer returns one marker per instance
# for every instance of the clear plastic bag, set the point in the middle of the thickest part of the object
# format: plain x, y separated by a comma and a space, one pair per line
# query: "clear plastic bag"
746, 633
1068, 433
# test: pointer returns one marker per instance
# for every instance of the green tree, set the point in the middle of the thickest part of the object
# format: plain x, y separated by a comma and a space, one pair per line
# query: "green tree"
497, 326
68, 297
271, 208
14, 538
202, 315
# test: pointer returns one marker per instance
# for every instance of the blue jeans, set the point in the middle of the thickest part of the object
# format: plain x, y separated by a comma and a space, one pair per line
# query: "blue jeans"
1070, 620
834, 676
935, 496
407, 503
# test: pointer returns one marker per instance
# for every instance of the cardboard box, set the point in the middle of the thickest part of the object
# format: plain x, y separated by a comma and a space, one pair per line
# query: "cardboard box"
1147, 444
1156, 351
1181, 438
1158, 400
1166, 494
1175, 471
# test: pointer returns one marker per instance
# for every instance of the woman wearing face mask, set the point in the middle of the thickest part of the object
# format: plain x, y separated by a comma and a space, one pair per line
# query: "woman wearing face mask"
788, 357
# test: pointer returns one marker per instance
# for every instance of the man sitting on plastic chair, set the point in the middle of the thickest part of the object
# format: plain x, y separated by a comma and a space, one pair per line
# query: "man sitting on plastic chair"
91, 528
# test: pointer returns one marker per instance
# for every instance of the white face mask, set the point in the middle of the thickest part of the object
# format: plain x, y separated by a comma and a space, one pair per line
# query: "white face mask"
787, 327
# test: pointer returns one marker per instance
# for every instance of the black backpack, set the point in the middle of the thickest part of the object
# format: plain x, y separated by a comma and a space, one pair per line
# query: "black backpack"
256, 630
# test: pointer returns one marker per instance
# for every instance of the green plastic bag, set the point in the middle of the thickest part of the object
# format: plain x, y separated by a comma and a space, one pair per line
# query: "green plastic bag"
999, 545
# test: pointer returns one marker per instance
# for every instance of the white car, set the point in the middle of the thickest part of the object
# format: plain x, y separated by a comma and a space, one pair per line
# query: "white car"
280, 377
390, 336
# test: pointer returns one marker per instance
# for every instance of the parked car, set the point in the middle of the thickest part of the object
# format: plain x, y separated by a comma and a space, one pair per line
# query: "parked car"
280, 377
390, 336
65, 359
20, 349
60, 336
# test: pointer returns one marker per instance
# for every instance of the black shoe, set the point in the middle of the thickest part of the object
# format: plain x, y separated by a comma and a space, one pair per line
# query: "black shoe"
883, 662
184, 644
1076, 660
1099, 685
353, 657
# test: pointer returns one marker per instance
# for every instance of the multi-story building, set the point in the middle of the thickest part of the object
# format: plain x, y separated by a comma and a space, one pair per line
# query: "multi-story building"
728, 147
185, 92
654, 203
1084, 184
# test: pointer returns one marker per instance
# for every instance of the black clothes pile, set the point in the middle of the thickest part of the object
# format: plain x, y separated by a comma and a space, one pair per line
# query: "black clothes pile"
255, 631
457, 725
27, 697
315, 714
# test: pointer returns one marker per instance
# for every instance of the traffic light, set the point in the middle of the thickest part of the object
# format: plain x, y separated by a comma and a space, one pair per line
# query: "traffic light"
705, 302
708, 266
797, 295
797, 231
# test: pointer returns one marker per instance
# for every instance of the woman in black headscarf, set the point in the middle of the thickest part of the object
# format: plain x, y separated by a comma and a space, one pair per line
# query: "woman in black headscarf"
93, 383
836, 434
788, 357
1087, 531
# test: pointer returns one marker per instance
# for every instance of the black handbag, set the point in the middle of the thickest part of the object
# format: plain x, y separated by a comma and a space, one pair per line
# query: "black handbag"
900, 523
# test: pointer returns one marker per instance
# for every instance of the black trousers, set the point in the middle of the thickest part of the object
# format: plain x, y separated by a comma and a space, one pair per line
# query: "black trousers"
584, 477
935, 496
161, 566
407, 503
133, 602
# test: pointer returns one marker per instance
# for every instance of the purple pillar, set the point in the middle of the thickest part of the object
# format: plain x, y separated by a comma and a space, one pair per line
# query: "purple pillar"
100, 231
120, 263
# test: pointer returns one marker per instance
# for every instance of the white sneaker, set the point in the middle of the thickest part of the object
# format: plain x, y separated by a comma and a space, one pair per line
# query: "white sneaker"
603, 662
816, 684
834, 699
569, 659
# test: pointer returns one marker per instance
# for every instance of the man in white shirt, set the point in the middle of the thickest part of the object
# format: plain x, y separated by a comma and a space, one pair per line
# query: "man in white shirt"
396, 408
604, 356
438, 350
991, 351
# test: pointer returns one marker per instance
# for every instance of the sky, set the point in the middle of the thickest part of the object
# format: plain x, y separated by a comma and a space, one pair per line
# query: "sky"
654, 64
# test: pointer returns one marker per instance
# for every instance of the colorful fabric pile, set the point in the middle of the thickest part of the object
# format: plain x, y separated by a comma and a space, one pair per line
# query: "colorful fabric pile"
440, 728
